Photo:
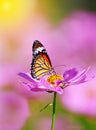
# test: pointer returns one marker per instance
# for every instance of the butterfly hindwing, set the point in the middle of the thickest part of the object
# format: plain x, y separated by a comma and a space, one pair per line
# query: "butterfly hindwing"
41, 64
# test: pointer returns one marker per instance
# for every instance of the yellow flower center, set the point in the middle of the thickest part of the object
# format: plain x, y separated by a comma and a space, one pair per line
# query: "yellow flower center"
53, 78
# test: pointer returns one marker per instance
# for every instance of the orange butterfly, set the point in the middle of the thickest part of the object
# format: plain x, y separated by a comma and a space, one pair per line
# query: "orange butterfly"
41, 64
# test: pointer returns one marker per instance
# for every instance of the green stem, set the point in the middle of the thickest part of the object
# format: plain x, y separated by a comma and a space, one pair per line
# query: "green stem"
53, 113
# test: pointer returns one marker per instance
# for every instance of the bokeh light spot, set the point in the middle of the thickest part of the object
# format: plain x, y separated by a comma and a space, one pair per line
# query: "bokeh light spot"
14, 12
6, 6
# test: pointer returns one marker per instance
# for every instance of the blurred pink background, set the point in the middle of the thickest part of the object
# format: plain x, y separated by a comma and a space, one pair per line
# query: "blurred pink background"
69, 35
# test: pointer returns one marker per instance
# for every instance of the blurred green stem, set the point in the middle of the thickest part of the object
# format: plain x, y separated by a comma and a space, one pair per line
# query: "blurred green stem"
53, 113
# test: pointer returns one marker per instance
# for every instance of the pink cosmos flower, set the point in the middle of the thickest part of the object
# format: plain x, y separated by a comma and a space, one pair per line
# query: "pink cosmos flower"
63, 122
79, 30
14, 111
81, 99
54, 83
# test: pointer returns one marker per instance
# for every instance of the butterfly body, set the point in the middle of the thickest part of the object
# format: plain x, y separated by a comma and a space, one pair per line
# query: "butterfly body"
41, 64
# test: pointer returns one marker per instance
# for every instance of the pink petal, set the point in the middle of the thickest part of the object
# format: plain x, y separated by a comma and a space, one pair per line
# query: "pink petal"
28, 77
80, 74
69, 74
32, 88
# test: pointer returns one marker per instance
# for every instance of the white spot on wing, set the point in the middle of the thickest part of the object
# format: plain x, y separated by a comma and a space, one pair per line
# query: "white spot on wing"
39, 49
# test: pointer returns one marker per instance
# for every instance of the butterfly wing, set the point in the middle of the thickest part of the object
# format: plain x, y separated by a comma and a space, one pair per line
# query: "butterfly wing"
41, 64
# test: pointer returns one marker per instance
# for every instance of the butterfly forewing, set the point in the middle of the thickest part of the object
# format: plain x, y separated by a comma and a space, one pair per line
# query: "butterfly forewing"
41, 64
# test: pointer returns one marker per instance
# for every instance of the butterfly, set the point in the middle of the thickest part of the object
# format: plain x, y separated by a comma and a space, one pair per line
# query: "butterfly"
41, 64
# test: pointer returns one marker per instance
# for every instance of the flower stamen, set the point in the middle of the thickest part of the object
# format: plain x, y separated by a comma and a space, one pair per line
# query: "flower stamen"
53, 79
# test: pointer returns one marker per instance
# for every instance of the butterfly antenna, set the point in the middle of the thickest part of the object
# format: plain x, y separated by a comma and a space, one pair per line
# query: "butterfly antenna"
59, 66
